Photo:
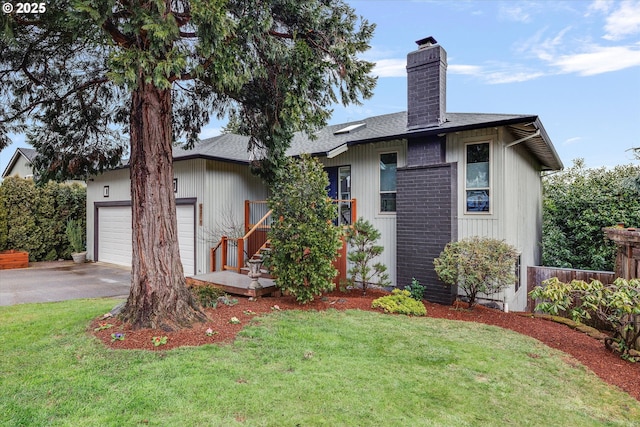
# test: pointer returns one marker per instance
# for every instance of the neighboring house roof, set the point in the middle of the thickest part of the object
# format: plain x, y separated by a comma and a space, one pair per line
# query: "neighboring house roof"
334, 139
28, 153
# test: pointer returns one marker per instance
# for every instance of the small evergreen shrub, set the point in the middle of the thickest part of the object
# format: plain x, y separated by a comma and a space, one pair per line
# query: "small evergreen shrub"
362, 238
207, 295
400, 302
75, 234
416, 289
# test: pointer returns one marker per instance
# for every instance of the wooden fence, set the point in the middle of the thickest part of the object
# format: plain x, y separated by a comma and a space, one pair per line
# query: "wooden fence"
536, 275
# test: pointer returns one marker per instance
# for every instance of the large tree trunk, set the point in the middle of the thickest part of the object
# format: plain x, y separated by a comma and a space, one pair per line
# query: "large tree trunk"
159, 297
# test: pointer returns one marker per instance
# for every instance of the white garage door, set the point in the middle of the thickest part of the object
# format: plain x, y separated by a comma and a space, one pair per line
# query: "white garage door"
114, 236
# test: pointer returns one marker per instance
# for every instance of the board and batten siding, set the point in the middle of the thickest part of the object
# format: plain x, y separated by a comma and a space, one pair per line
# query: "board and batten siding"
226, 187
216, 186
516, 201
364, 160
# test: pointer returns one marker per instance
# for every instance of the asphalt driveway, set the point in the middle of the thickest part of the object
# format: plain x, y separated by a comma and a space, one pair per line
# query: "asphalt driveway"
60, 281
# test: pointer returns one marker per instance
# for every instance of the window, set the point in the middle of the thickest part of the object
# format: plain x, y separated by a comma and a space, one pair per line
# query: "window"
344, 194
388, 168
477, 183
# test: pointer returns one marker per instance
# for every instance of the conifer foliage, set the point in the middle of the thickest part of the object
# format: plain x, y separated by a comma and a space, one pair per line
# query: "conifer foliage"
89, 80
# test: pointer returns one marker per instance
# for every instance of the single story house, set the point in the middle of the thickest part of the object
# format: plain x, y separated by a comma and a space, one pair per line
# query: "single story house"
423, 177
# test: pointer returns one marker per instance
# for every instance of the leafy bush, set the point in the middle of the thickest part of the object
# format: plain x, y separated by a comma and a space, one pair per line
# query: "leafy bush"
477, 265
207, 295
618, 305
400, 302
304, 240
577, 203
34, 219
362, 238
416, 289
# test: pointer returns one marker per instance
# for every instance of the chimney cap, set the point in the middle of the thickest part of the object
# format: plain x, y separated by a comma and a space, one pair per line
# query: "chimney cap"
426, 42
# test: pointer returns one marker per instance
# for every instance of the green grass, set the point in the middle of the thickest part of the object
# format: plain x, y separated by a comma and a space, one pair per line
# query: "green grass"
360, 369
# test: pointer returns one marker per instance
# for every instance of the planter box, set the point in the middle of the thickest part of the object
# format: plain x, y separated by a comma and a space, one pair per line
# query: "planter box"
13, 259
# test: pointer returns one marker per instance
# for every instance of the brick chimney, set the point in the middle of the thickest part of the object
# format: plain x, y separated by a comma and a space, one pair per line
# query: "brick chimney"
426, 85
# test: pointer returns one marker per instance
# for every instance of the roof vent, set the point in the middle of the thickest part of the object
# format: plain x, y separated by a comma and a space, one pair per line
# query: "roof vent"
350, 128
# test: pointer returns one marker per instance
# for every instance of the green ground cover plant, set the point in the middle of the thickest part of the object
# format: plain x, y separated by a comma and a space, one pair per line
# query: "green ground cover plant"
401, 302
296, 368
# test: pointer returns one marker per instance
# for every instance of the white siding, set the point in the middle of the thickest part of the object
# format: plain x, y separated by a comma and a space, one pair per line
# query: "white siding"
516, 198
22, 168
364, 161
114, 235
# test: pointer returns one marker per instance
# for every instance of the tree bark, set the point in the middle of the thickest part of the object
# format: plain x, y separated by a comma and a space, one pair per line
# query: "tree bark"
159, 297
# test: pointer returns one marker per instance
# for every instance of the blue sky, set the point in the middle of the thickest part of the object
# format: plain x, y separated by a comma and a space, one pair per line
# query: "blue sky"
576, 64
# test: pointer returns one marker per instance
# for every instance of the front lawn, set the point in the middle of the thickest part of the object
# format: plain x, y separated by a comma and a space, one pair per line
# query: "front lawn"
296, 368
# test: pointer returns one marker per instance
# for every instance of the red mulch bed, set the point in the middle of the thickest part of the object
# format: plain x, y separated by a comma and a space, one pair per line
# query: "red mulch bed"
587, 350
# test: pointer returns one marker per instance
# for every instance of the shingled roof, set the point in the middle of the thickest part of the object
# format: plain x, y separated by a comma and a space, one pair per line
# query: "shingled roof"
230, 147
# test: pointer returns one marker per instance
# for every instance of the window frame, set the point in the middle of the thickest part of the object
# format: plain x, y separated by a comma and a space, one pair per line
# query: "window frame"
380, 192
489, 188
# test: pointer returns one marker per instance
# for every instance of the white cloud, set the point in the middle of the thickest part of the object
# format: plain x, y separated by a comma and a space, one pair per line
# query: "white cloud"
598, 60
573, 140
514, 13
496, 73
390, 68
599, 6
623, 22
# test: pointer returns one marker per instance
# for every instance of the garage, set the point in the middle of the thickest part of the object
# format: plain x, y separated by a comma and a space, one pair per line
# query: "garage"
113, 229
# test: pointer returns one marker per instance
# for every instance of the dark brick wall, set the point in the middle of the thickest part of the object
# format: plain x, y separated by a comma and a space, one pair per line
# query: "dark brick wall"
426, 222
426, 87
426, 151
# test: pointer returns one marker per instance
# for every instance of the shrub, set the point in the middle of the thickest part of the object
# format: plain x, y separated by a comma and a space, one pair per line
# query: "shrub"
34, 219
577, 203
400, 302
477, 265
362, 238
207, 295
304, 240
618, 305
416, 289
75, 234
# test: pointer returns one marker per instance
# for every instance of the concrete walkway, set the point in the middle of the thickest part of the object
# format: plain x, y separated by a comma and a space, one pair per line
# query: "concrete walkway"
63, 280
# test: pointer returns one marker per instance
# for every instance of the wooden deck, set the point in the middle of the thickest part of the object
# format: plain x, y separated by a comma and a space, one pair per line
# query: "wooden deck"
233, 283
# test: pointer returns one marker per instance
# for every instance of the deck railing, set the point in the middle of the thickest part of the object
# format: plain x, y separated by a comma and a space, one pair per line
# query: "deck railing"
257, 222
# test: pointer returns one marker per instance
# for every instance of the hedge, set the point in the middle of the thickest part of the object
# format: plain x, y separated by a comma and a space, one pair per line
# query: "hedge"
33, 218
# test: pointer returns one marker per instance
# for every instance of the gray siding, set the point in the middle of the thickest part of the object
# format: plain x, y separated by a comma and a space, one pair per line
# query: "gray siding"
516, 198
217, 187
365, 186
